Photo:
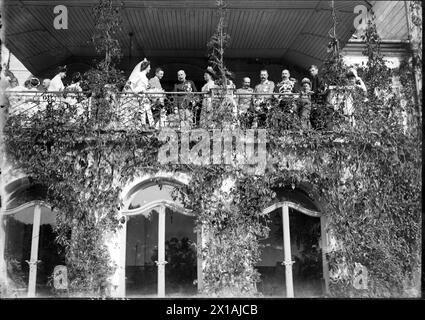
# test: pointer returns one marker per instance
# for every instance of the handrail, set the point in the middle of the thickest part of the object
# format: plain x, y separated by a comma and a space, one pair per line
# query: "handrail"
36, 93
158, 109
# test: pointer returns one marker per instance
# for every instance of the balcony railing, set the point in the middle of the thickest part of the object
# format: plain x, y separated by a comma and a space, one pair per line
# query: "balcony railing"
154, 110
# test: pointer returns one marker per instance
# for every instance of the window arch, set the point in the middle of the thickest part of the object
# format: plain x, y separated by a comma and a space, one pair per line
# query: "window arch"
297, 202
31, 252
159, 231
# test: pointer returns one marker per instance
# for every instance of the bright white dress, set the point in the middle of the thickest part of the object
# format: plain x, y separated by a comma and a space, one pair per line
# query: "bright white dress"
138, 83
206, 116
56, 84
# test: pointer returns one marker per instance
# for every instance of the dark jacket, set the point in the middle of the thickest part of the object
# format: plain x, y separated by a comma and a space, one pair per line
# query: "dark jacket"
183, 87
318, 87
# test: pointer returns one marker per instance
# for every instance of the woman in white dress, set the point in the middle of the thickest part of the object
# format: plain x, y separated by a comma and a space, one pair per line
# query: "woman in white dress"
56, 83
138, 84
207, 109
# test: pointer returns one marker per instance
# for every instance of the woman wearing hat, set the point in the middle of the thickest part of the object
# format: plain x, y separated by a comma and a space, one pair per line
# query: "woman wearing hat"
34, 83
357, 88
206, 110
75, 85
304, 103
355, 81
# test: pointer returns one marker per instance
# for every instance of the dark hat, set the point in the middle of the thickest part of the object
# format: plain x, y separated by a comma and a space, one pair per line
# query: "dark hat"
76, 77
306, 80
211, 72
35, 82
61, 69
13, 80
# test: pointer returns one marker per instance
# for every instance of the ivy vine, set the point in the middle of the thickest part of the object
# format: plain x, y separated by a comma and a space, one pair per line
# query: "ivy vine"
366, 176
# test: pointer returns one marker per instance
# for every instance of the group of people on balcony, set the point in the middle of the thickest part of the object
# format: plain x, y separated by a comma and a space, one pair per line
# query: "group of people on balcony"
144, 95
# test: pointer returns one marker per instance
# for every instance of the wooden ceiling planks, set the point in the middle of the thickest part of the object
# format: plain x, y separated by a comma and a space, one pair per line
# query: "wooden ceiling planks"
294, 30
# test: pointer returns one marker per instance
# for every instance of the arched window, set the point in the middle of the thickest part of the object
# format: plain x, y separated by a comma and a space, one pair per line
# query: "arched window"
293, 259
31, 252
161, 243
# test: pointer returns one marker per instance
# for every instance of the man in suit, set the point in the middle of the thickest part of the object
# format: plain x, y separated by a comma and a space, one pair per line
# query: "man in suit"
317, 85
184, 103
155, 82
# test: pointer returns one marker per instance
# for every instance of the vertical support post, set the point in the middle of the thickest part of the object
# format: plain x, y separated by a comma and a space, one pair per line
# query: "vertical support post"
34, 251
123, 247
288, 257
3, 269
199, 259
161, 252
325, 250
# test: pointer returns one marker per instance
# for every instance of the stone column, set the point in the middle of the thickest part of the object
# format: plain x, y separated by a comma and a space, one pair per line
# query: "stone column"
116, 243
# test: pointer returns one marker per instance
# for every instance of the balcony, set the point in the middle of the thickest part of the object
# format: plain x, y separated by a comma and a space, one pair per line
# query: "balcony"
128, 112
81, 120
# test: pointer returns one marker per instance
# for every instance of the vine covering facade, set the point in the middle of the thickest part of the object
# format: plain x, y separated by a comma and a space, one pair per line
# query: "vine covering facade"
366, 177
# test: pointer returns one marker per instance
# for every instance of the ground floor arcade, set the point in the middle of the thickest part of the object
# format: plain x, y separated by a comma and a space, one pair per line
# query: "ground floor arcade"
158, 250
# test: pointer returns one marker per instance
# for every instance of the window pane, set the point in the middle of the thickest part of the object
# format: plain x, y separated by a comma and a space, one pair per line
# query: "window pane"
142, 252
50, 254
180, 253
151, 194
18, 228
270, 266
306, 252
